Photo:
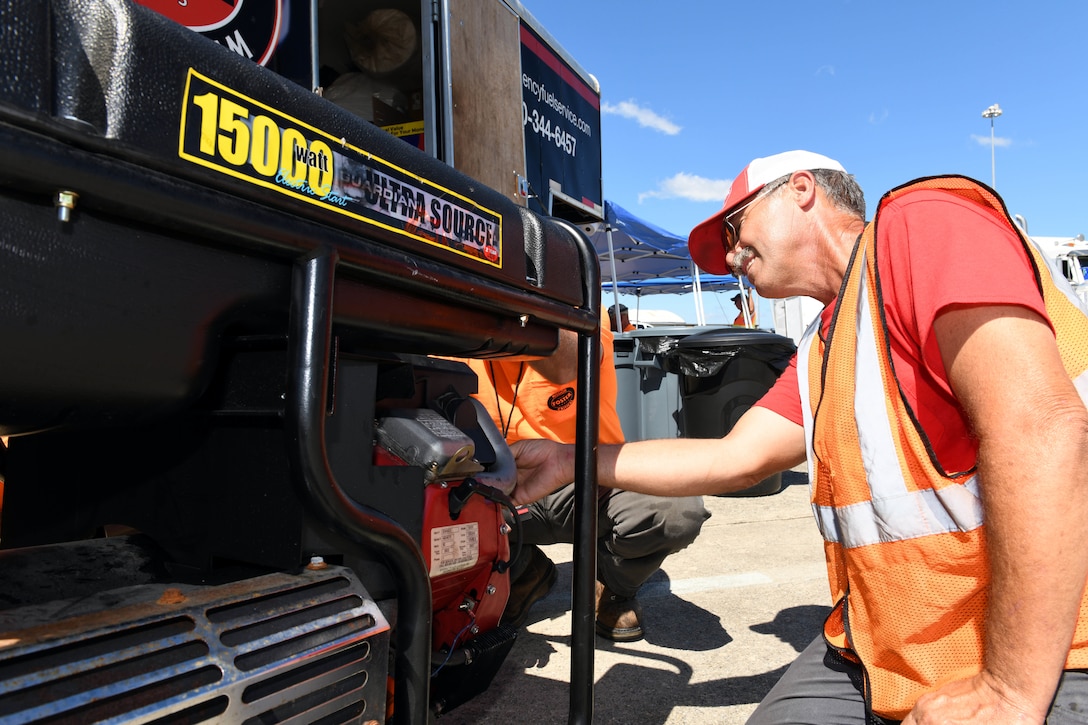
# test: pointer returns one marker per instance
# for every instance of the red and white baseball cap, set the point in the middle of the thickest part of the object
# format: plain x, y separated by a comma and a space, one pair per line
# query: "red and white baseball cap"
705, 241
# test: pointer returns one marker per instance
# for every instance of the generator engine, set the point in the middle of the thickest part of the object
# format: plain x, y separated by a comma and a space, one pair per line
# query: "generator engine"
244, 477
467, 517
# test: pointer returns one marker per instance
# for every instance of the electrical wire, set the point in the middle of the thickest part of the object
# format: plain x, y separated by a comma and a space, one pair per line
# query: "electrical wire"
453, 645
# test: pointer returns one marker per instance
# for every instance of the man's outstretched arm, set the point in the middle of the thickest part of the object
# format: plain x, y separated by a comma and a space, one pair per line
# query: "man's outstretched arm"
760, 444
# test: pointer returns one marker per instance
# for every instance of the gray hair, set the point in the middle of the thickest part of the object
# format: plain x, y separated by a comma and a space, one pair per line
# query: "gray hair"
842, 189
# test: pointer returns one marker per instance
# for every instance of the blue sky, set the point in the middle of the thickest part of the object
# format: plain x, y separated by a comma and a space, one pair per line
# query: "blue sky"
692, 91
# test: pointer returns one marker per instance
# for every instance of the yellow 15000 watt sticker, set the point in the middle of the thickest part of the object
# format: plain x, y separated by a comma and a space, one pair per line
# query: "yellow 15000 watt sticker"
236, 135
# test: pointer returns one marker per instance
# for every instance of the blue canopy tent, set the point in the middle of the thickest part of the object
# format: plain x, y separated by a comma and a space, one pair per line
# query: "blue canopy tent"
633, 249
640, 258
672, 285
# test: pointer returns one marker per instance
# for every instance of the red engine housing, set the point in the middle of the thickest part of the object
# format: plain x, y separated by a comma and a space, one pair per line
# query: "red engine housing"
468, 593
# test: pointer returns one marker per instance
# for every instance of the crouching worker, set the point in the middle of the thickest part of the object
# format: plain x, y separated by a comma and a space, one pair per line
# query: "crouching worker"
535, 398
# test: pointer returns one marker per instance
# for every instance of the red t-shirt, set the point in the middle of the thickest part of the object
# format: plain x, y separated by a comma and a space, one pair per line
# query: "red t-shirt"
934, 249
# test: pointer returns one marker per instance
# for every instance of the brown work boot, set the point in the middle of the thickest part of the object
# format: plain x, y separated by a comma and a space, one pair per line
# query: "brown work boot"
618, 618
532, 585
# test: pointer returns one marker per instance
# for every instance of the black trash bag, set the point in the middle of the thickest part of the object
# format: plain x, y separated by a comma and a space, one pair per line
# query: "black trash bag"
705, 354
657, 346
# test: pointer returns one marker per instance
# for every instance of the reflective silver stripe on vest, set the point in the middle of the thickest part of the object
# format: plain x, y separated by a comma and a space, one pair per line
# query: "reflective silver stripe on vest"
804, 348
894, 512
955, 507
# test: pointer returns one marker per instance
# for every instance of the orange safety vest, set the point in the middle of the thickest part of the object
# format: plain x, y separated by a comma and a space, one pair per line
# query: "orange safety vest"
885, 508
524, 404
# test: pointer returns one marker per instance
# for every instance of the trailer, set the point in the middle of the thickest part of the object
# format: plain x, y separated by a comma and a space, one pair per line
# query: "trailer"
478, 84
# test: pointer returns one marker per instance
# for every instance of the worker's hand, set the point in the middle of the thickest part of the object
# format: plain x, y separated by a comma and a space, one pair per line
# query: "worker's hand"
980, 700
543, 467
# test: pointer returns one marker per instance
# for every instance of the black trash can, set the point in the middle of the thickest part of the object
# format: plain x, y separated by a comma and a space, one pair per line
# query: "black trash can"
648, 394
723, 372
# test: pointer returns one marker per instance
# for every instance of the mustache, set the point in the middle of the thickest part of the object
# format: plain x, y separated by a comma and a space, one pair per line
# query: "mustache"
740, 260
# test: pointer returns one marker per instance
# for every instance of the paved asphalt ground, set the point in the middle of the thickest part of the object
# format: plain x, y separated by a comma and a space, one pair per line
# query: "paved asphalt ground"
723, 619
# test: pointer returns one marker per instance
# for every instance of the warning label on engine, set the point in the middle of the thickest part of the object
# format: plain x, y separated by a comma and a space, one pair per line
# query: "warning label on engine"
236, 135
454, 548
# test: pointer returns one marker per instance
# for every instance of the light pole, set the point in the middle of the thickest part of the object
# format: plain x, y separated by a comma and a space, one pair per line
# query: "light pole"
991, 113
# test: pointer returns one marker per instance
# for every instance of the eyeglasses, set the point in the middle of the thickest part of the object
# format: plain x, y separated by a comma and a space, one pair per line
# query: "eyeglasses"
730, 231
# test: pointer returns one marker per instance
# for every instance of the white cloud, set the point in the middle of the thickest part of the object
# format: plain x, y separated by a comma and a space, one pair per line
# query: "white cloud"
828, 69
644, 116
998, 141
878, 117
689, 186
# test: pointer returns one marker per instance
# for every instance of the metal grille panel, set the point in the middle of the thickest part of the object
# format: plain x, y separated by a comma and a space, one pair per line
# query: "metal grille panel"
275, 648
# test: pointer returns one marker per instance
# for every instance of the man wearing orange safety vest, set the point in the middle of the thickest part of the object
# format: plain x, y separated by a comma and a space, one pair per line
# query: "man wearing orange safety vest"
937, 406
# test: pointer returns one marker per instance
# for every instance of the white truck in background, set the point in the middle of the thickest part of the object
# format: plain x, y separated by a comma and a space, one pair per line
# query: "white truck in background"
1070, 257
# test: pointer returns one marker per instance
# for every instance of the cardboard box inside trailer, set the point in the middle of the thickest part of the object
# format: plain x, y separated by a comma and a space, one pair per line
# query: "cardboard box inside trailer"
478, 84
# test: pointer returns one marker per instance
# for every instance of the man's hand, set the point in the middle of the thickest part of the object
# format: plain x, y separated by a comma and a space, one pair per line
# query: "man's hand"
543, 467
978, 700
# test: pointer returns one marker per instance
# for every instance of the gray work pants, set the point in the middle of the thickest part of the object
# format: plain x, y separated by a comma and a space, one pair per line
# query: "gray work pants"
635, 532
821, 688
